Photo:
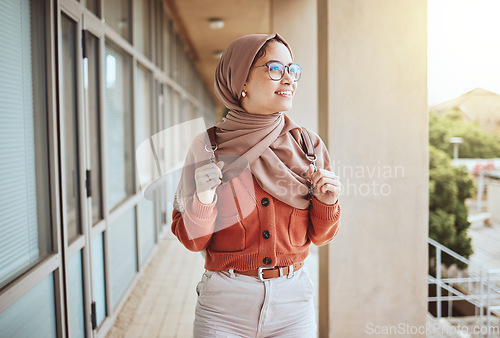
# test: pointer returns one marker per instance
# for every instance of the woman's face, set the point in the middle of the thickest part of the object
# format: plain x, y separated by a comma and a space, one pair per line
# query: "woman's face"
263, 95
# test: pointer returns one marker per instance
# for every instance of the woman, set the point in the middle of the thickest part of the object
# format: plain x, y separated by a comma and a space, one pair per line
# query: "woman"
257, 202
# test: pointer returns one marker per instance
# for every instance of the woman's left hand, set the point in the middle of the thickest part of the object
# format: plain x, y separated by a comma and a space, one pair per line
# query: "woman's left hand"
327, 186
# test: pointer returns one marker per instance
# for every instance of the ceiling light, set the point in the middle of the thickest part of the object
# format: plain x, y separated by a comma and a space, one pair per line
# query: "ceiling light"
216, 23
218, 54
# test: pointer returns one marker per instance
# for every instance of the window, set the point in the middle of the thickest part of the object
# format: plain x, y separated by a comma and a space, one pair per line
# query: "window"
32, 315
143, 126
92, 88
117, 15
142, 20
70, 175
122, 254
93, 6
25, 232
119, 142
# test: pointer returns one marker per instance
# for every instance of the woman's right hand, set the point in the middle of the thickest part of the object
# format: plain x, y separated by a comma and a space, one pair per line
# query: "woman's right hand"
208, 178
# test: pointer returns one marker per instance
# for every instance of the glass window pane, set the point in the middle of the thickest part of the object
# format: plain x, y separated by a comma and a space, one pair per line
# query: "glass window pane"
146, 217
32, 315
173, 54
92, 87
25, 223
158, 23
75, 286
170, 118
166, 44
98, 282
189, 71
122, 254
179, 64
142, 32
143, 126
167, 116
117, 15
93, 6
119, 142
191, 111
69, 115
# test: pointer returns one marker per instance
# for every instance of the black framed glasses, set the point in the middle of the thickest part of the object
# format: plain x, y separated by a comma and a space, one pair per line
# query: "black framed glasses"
276, 70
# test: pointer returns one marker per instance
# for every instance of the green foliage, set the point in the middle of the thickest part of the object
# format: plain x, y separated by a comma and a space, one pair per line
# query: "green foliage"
449, 187
476, 142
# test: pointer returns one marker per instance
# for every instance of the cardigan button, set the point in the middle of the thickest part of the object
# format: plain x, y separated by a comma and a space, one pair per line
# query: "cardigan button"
267, 261
266, 234
265, 201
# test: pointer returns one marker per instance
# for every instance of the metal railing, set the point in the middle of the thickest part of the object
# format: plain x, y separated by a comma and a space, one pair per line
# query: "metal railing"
480, 287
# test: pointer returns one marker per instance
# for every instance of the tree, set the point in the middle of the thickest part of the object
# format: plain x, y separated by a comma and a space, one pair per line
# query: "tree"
449, 187
476, 142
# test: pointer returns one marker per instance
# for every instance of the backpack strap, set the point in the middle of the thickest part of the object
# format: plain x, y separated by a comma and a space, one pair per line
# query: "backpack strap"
211, 137
307, 143
308, 148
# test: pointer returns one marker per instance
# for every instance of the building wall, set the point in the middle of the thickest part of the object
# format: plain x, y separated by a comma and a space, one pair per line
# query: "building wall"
372, 83
493, 186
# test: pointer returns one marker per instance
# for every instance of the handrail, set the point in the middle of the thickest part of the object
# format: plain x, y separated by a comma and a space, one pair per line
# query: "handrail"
448, 251
483, 278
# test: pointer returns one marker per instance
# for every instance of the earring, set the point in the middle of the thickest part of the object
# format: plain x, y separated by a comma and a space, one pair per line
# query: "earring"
243, 94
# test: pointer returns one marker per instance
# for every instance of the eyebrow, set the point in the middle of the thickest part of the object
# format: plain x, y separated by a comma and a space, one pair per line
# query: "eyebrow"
277, 61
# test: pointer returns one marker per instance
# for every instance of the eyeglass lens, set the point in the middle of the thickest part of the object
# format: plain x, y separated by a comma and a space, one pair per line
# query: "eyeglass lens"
276, 71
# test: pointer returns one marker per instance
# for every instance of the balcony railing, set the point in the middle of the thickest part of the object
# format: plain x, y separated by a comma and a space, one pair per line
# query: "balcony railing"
476, 284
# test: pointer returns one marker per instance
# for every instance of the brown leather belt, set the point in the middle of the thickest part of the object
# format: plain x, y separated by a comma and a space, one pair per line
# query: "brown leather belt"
266, 272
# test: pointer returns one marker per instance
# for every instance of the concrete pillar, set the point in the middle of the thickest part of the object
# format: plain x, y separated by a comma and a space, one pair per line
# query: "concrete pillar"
378, 136
295, 20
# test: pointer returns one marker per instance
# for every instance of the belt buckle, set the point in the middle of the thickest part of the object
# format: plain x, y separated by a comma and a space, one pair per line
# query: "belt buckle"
259, 271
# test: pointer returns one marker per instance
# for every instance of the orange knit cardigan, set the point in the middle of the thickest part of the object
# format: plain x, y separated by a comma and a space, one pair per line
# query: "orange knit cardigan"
245, 227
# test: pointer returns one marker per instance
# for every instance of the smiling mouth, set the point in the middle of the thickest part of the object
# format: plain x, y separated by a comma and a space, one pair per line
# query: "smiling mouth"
284, 93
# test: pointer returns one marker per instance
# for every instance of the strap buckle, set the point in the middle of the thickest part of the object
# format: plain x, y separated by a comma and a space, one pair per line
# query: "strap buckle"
211, 149
259, 271
313, 160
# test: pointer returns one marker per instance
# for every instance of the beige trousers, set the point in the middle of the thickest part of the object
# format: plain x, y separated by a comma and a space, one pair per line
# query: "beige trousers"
235, 305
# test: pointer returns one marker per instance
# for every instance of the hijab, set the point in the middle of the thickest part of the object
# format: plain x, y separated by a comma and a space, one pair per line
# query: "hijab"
269, 145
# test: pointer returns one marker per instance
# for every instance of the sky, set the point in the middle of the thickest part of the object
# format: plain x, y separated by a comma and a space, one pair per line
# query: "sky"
463, 47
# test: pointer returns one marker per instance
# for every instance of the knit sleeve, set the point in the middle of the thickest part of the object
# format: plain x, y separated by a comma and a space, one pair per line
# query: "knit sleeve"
325, 221
194, 227
325, 218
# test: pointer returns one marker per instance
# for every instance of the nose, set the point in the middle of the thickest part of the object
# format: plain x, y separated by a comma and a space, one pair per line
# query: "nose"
287, 78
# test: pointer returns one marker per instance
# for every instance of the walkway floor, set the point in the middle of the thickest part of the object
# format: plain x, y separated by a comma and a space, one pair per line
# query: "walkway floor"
163, 301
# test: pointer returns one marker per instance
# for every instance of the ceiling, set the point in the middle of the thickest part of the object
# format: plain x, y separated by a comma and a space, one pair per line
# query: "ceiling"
240, 17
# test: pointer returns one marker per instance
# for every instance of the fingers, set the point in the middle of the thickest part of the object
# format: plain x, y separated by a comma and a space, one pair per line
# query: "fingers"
310, 170
334, 189
210, 171
208, 176
324, 176
325, 181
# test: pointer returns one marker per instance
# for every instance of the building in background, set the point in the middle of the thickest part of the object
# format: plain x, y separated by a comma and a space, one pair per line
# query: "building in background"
84, 83
478, 105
